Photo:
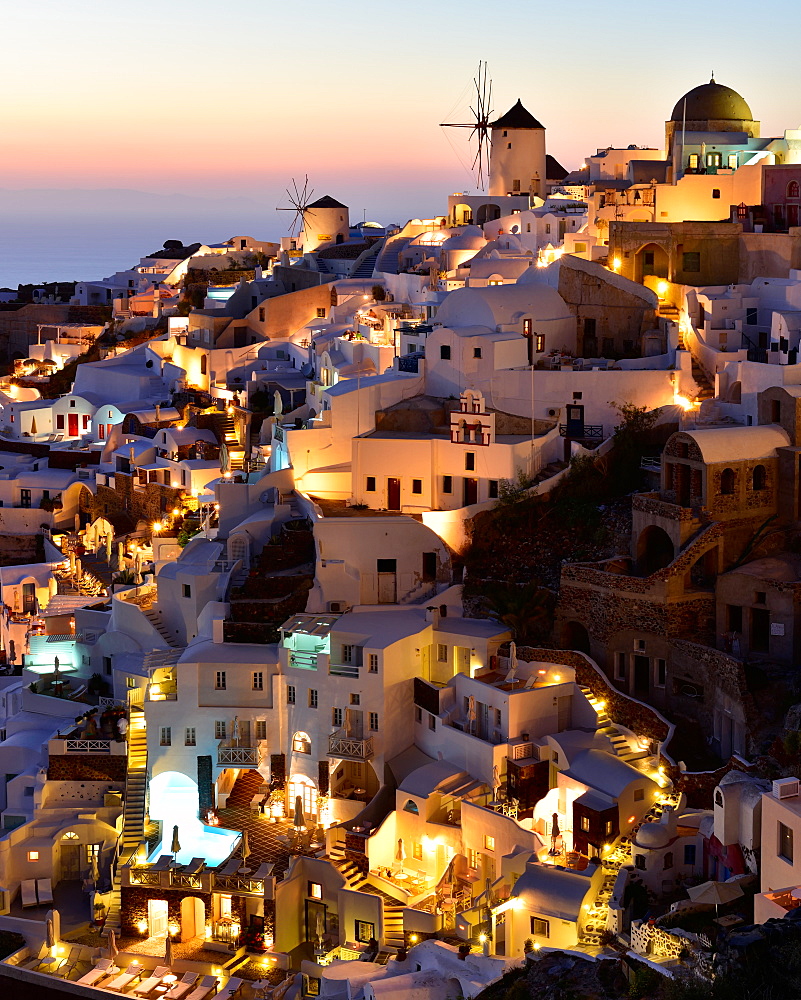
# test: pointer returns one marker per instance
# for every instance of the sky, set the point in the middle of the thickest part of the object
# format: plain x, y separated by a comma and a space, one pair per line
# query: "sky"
215, 100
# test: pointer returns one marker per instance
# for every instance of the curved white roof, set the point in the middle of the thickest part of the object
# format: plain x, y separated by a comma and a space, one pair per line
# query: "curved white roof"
494, 306
739, 444
468, 238
552, 890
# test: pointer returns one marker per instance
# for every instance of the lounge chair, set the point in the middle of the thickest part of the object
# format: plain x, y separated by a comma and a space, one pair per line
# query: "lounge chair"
152, 981
131, 974
44, 889
232, 987
105, 967
69, 962
195, 866
28, 892
207, 984
163, 863
233, 866
183, 987
264, 870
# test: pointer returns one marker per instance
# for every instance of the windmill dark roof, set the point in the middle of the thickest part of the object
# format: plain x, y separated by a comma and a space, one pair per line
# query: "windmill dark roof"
517, 117
327, 202
554, 170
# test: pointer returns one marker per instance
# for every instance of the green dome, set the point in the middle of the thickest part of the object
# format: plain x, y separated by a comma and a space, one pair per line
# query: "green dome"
712, 102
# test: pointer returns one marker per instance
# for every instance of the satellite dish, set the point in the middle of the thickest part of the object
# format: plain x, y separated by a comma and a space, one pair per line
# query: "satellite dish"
515, 229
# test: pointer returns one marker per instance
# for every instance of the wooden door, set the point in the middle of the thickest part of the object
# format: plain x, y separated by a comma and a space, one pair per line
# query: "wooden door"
73, 424
393, 494
71, 861
470, 492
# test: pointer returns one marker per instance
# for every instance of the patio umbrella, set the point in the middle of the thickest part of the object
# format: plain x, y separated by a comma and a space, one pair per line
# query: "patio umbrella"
714, 892
235, 732
176, 844
168, 950
51, 934
471, 713
245, 845
94, 872
225, 460
554, 834
496, 782
400, 854
112, 944
513, 655
278, 404
109, 544
299, 820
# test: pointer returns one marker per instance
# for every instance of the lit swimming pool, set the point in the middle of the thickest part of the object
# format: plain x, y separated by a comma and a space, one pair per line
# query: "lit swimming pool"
174, 801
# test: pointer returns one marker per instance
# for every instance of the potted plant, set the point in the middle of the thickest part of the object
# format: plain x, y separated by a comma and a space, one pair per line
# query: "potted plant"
277, 799
99, 914
464, 950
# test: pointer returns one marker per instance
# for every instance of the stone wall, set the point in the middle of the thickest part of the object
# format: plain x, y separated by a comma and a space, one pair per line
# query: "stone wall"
87, 767
134, 899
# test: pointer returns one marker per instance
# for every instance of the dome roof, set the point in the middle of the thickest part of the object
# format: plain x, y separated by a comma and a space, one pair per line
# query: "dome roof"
712, 102
653, 836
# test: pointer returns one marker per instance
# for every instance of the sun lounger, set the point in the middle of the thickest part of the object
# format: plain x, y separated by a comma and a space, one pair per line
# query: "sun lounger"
207, 984
105, 967
132, 973
70, 962
152, 981
44, 889
163, 863
195, 866
264, 870
181, 989
231, 987
28, 892
232, 867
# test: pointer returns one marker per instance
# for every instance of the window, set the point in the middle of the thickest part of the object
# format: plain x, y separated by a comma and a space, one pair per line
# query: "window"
689, 854
432, 723
693, 161
24, 498
445, 352
417, 486
347, 652
290, 694
661, 673
476, 352
751, 317
785, 842
417, 851
189, 736
315, 890
365, 931
540, 927
620, 666
667, 863
187, 590
301, 743
165, 738
759, 478
372, 661
489, 842
219, 729
355, 699
219, 680
106, 664
793, 189
447, 484
321, 312
734, 617
470, 461
312, 697
547, 228
418, 714
639, 794
732, 161
585, 824
336, 717
691, 261
370, 485
492, 489
515, 185
716, 192
609, 827
727, 482
258, 680
760, 596
639, 862
539, 343
33, 855
311, 986
374, 722
714, 159
261, 729
442, 652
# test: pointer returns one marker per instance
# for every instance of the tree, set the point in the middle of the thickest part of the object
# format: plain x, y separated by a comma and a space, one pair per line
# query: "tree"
526, 611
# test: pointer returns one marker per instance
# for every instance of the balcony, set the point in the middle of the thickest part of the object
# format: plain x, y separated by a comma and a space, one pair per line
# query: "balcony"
303, 660
59, 747
340, 744
234, 753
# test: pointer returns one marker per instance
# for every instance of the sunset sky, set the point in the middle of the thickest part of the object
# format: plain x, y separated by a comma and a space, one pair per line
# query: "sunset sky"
214, 99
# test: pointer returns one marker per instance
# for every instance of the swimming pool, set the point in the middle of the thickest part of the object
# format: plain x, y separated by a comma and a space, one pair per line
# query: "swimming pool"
174, 801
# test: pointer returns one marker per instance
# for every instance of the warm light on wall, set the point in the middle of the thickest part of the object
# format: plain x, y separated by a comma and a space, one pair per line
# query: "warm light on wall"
142, 926
661, 289
33, 855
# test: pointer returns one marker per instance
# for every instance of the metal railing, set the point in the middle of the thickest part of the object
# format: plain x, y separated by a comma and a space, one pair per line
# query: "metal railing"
343, 670
303, 660
350, 747
233, 754
589, 432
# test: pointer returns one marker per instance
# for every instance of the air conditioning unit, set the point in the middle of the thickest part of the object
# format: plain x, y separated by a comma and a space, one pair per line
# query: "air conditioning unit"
786, 788
554, 413
337, 607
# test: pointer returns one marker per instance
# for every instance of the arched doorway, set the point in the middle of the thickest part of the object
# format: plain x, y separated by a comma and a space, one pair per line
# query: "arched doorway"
238, 549
575, 636
462, 215
488, 213
193, 918
654, 550
304, 788
651, 259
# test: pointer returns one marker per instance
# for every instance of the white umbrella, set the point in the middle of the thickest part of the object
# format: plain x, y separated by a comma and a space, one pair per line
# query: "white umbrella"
94, 873
714, 892
235, 732
320, 926
245, 845
51, 934
109, 543
496, 782
112, 944
471, 713
225, 460
513, 655
400, 854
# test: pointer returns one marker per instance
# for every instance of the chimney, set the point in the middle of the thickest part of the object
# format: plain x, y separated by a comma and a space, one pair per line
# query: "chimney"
432, 615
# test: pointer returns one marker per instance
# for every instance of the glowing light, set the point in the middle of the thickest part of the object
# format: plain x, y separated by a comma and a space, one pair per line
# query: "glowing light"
208, 931
413, 939
616, 264
542, 673
141, 926
227, 475
482, 938
601, 704
683, 402
536, 946
174, 929
661, 289
557, 677
157, 526
586, 906
631, 819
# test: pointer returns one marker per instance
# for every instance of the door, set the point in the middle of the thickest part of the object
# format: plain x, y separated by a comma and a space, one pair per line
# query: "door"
462, 654
563, 706
70, 861
470, 492
575, 421
792, 215
387, 580
760, 630
29, 598
72, 420
393, 494
642, 675
157, 917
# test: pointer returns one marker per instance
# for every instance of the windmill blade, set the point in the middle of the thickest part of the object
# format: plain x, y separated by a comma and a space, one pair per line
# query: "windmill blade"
481, 110
299, 199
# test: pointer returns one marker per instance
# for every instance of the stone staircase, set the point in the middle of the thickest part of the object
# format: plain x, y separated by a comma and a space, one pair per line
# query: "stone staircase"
154, 619
393, 927
706, 389
358, 881
388, 260
365, 265
606, 727
236, 453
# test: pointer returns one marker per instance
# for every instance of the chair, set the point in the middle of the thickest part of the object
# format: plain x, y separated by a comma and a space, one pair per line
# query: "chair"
195, 866
264, 870
132, 973
207, 984
233, 866
232, 987
69, 962
183, 987
44, 889
105, 967
152, 981
163, 863
28, 892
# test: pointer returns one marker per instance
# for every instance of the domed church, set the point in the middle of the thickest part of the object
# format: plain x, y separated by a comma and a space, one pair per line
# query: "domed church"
710, 108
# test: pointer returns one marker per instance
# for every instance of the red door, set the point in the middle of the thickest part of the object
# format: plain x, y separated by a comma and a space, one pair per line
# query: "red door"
73, 424
393, 494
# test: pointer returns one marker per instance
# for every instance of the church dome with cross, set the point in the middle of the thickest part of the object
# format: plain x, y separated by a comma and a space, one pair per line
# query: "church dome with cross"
712, 102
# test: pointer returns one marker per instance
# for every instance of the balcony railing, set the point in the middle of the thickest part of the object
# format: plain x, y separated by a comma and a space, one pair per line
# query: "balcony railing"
343, 670
350, 747
59, 747
589, 432
231, 753
206, 880
303, 660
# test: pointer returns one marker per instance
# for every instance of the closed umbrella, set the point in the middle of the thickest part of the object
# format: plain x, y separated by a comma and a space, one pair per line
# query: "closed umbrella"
225, 460
513, 655
299, 820
714, 892
168, 950
235, 728
400, 854
94, 872
471, 714
245, 846
496, 782
112, 944
176, 844
109, 544
51, 934
554, 834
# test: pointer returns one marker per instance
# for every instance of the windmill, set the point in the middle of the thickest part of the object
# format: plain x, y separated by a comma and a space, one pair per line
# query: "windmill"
480, 125
299, 203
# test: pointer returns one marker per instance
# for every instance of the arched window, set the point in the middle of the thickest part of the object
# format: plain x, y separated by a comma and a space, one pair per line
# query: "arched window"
411, 807
718, 798
668, 862
727, 482
793, 189
70, 835
301, 743
759, 478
